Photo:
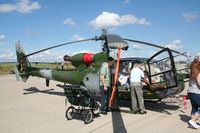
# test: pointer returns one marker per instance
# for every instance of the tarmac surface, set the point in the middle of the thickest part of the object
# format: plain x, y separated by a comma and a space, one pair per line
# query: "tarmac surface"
32, 107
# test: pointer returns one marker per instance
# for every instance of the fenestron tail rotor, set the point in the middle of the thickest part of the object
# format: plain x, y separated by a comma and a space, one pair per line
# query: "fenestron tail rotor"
23, 64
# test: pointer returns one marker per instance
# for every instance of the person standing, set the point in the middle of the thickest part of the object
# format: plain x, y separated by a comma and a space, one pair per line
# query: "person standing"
145, 80
136, 89
123, 79
194, 93
105, 84
62, 65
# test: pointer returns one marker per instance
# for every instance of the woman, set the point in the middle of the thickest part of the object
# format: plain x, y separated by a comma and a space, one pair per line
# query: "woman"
194, 93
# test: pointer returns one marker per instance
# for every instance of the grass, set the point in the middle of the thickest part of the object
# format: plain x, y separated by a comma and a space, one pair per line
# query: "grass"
45, 65
8, 67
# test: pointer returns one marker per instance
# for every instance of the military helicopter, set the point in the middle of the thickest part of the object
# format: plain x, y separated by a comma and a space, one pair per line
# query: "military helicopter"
84, 78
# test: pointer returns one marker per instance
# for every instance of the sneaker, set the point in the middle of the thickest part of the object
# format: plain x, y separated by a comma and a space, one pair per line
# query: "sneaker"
135, 110
193, 124
104, 112
109, 110
143, 112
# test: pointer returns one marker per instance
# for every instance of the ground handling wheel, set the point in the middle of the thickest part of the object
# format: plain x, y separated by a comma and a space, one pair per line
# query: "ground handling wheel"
87, 116
70, 113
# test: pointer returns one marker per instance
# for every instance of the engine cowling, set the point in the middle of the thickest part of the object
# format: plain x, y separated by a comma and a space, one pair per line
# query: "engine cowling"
87, 59
79, 59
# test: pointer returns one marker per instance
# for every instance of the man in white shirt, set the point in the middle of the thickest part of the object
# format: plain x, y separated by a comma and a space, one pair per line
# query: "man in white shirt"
136, 89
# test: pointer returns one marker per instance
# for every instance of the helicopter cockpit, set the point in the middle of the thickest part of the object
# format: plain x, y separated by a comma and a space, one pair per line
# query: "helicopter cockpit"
160, 70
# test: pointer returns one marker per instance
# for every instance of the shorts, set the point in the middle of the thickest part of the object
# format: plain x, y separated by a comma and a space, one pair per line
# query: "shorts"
195, 102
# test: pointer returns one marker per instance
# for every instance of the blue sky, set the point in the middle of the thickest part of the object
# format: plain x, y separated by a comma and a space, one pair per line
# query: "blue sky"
42, 23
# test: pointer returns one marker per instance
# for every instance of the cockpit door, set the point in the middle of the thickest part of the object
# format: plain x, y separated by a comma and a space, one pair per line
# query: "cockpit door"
161, 70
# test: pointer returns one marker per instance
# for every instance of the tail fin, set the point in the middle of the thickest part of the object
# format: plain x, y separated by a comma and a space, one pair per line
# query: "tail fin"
22, 64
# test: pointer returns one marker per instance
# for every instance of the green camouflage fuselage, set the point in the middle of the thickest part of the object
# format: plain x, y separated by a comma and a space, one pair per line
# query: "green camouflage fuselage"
81, 75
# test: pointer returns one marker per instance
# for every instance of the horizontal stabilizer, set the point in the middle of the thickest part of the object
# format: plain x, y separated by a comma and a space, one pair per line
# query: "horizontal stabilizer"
24, 76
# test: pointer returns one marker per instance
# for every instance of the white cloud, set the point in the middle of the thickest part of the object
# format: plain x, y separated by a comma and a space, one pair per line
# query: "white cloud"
110, 20
77, 37
2, 38
189, 17
126, 1
42, 55
175, 45
31, 33
69, 21
47, 56
198, 54
137, 47
7, 55
48, 52
81, 51
23, 6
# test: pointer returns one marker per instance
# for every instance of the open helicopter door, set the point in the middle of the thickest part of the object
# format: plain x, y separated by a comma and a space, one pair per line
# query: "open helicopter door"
161, 70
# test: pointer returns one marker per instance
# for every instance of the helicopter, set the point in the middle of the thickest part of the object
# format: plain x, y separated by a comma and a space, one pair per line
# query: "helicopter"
83, 80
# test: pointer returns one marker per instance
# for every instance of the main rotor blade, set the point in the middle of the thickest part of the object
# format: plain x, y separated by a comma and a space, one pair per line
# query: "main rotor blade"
59, 45
153, 45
